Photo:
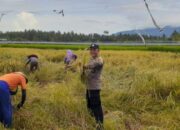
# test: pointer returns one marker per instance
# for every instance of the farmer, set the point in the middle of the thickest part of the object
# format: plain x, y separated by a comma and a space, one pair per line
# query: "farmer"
69, 57
9, 86
33, 61
93, 82
73, 64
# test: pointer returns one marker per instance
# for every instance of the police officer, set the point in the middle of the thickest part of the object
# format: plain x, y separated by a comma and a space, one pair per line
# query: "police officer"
93, 82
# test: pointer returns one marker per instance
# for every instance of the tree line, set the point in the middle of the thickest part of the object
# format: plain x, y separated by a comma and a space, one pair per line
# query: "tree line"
52, 36
175, 36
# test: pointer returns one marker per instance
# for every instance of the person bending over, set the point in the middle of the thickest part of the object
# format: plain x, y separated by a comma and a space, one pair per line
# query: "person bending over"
33, 61
9, 86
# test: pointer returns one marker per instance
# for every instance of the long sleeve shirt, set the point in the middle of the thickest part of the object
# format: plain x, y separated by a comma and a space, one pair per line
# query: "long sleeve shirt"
93, 73
14, 80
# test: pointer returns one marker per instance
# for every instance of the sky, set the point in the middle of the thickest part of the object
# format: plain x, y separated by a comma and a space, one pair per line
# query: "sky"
87, 16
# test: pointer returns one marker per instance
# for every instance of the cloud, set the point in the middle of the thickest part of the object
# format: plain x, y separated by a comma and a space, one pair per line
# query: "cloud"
25, 20
93, 21
88, 16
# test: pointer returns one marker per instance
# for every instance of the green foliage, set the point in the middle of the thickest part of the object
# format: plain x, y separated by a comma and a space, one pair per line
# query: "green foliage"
176, 36
33, 35
82, 47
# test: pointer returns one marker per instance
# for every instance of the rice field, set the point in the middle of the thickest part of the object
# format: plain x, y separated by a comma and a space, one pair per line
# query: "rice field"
163, 48
141, 91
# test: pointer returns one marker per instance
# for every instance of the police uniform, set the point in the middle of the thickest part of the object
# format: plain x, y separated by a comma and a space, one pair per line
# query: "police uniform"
93, 82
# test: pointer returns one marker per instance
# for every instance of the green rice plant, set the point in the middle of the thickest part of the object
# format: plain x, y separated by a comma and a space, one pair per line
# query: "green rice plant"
162, 48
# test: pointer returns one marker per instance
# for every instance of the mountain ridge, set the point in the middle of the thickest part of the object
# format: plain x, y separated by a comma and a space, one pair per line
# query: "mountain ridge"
167, 31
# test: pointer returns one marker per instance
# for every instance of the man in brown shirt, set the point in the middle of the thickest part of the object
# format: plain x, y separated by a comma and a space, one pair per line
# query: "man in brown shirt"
93, 82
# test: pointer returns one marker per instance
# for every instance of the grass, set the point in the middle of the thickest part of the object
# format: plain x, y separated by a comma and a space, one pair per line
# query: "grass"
103, 47
140, 91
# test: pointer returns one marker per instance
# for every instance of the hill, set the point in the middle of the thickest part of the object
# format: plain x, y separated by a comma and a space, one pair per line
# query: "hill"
168, 30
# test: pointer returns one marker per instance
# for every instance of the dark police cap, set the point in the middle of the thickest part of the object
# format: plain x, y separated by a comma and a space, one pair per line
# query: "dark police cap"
94, 46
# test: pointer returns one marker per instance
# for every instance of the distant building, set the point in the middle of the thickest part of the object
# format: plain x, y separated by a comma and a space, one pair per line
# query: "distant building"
3, 39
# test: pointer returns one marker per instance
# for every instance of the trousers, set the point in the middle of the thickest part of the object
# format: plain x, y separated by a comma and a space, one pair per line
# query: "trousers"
5, 105
94, 105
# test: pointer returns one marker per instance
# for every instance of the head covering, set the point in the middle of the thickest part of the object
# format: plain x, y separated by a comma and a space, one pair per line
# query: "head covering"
69, 53
22, 74
69, 56
33, 55
94, 46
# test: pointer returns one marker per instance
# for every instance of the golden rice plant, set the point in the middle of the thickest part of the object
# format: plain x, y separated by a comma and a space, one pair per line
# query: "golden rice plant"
140, 91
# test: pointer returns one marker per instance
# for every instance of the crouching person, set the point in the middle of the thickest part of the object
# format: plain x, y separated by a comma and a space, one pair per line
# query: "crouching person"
73, 65
8, 86
93, 81
71, 62
33, 61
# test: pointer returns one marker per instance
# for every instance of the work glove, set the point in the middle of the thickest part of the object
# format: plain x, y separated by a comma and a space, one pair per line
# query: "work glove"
19, 106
